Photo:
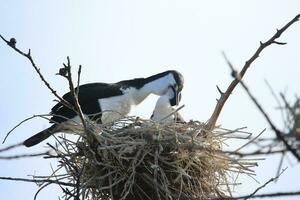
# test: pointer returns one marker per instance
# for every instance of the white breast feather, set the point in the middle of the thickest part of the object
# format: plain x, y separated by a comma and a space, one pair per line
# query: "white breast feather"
114, 108
162, 110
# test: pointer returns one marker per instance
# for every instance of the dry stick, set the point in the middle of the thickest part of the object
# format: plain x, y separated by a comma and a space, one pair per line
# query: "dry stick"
268, 195
11, 147
75, 93
279, 134
37, 181
277, 101
155, 172
255, 153
28, 56
175, 111
264, 185
250, 140
224, 95
252, 195
23, 121
24, 156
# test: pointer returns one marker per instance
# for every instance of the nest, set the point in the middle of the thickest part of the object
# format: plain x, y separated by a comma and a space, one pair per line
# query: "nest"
139, 159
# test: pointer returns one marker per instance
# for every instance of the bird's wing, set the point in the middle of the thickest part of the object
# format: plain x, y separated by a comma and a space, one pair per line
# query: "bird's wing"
90, 92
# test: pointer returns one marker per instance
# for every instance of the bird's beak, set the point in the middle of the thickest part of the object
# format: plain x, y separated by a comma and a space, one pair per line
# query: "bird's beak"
177, 95
176, 99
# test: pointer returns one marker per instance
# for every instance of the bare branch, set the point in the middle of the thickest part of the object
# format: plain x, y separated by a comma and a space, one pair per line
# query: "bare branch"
28, 56
11, 147
24, 156
265, 184
279, 134
218, 108
75, 93
37, 181
23, 121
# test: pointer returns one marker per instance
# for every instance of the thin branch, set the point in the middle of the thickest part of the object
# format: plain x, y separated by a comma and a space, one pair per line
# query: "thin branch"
11, 147
218, 108
37, 181
172, 113
20, 123
24, 156
268, 195
279, 134
250, 141
255, 153
28, 56
278, 102
265, 184
75, 93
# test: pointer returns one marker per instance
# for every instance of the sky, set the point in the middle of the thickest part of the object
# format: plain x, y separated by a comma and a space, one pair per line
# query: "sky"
116, 40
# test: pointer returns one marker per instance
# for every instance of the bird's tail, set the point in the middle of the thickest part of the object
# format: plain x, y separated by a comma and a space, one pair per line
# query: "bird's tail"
39, 137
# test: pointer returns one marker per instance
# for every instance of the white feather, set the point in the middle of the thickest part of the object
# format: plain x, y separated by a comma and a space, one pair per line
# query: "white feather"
163, 108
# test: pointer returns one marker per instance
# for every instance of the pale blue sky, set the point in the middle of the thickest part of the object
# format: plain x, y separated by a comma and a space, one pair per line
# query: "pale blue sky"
116, 40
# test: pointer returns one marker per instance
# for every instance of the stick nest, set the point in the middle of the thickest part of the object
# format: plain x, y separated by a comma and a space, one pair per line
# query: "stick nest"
139, 159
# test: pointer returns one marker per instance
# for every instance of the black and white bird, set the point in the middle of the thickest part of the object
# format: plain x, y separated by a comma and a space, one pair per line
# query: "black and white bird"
164, 111
107, 102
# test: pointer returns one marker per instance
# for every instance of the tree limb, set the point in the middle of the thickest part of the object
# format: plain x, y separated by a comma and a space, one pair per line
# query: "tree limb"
279, 134
28, 56
218, 108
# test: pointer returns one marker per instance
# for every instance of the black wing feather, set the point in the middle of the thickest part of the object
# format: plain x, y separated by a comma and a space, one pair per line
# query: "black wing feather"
88, 98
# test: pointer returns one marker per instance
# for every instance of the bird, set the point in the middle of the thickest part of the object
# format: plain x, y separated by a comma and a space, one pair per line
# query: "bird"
107, 102
164, 111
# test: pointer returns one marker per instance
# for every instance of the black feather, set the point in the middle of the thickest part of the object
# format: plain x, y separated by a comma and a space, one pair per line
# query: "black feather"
39, 137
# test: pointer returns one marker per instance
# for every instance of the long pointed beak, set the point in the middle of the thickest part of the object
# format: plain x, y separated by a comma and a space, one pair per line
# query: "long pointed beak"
178, 98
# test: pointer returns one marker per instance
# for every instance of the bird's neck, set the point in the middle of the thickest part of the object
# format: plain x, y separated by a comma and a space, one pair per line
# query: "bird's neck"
151, 86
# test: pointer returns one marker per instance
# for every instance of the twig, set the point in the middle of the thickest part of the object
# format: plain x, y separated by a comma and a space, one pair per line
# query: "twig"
28, 56
37, 181
250, 141
175, 111
264, 185
23, 121
254, 153
224, 96
75, 93
279, 134
156, 168
11, 147
24, 156
267, 195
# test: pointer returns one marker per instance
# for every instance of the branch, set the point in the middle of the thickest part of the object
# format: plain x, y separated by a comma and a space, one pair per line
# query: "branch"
276, 194
37, 181
264, 185
255, 153
279, 134
11, 147
20, 123
218, 108
24, 156
73, 92
12, 44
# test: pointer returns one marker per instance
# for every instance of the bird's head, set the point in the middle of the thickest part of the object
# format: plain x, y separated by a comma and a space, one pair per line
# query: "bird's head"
160, 83
174, 96
176, 87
